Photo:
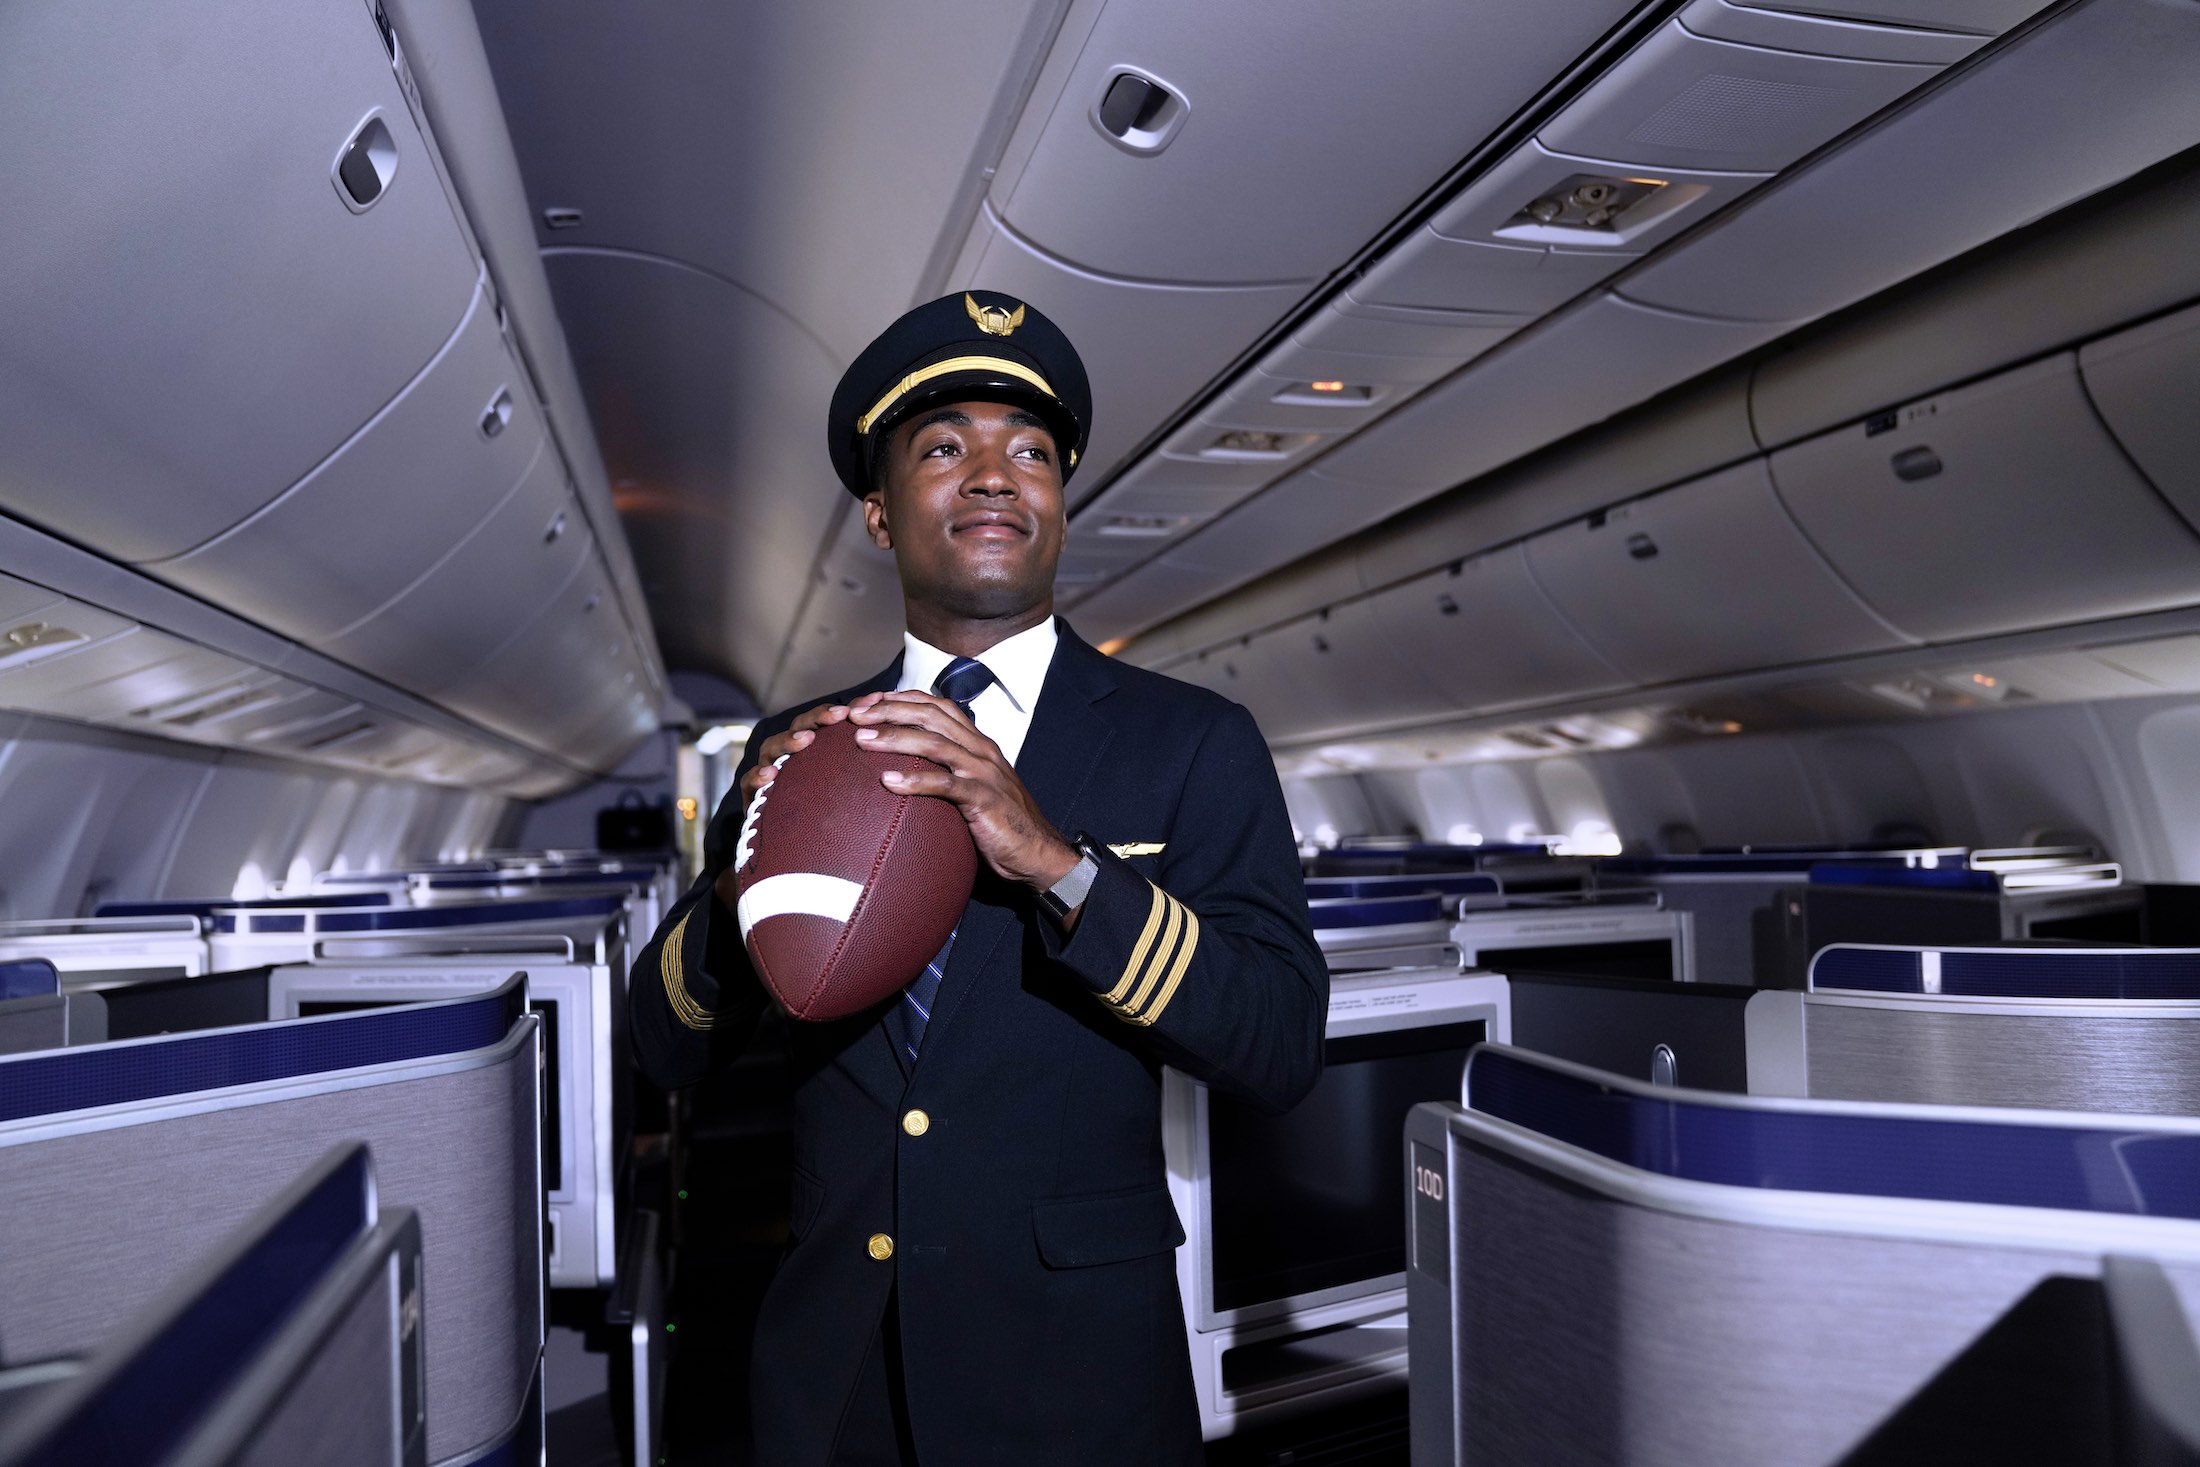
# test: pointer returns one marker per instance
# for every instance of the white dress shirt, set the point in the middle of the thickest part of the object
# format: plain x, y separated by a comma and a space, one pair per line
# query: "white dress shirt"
1019, 667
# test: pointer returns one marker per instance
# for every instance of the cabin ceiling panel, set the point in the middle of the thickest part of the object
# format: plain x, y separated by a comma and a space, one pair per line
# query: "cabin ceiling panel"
760, 189
807, 149
710, 406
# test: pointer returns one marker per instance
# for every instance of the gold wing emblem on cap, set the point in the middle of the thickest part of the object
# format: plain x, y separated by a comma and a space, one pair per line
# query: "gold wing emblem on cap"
993, 320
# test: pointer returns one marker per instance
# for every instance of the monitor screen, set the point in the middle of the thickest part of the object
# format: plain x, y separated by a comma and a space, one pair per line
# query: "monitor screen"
178, 1005
1315, 1199
1650, 959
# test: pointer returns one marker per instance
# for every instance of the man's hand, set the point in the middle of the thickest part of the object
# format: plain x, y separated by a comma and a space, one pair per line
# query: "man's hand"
797, 735
1014, 838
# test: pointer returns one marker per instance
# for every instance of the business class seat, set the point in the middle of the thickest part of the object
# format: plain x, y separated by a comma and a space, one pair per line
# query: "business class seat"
1603, 1270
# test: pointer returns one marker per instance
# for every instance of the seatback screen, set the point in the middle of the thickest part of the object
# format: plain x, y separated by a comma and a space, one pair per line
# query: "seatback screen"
1315, 1199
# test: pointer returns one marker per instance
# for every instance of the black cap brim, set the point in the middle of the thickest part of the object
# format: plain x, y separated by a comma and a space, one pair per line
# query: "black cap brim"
979, 384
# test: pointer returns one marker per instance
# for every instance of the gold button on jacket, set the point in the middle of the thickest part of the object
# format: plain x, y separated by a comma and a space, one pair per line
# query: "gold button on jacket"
916, 1123
881, 1247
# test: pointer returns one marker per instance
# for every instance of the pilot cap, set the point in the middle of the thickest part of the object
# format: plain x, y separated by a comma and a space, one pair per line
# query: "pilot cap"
974, 344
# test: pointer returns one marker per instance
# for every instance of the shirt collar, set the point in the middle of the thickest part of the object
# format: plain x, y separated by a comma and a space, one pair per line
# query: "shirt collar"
1019, 664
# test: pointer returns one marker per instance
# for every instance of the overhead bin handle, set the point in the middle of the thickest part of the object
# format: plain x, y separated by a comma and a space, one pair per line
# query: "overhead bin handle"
1913, 464
366, 164
1138, 111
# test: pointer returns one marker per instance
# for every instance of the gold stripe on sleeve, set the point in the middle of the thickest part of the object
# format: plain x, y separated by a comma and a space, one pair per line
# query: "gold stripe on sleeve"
1171, 933
1138, 953
684, 1007
1176, 971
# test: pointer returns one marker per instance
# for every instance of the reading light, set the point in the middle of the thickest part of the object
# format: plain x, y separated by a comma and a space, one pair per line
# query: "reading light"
1329, 393
1984, 681
687, 806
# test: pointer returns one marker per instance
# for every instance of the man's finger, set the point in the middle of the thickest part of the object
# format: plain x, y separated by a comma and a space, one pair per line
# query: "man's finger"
817, 717
779, 745
934, 714
929, 782
925, 744
918, 698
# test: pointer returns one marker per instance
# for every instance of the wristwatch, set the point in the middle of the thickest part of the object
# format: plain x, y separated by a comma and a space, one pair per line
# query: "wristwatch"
1068, 894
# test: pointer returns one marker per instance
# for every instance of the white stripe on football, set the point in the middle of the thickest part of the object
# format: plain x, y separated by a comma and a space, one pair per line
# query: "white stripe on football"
798, 893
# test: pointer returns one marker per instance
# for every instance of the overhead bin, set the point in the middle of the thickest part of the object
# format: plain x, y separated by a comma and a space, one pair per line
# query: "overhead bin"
2142, 381
1979, 17
1786, 28
1692, 431
1684, 101
38, 626
557, 676
1088, 561
307, 723
1484, 635
2133, 257
1338, 672
2097, 93
211, 313
1576, 368
1992, 508
1706, 578
1176, 484
117, 676
1358, 108
1149, 595
441, 628
1297, 516
1147, 347
370, 520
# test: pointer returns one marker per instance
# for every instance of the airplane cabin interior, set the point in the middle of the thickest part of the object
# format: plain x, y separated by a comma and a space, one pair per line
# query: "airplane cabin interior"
1700, 497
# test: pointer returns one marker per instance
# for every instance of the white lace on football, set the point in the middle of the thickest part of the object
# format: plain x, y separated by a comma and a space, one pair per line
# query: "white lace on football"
746, 846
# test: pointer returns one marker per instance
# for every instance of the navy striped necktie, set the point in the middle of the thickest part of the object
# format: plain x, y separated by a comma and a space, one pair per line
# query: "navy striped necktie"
961, 681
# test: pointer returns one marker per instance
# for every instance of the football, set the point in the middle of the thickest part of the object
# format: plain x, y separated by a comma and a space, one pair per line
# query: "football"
845, 888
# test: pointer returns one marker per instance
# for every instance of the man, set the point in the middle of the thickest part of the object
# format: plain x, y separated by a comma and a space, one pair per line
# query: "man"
981, 1265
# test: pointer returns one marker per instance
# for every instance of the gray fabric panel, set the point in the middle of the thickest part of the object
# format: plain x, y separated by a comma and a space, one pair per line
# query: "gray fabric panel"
32, 1023
2136, 1065
341, 1410
98, 1224
1592, 1331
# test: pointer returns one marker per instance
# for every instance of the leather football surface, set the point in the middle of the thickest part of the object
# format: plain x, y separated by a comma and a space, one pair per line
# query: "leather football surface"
846, 889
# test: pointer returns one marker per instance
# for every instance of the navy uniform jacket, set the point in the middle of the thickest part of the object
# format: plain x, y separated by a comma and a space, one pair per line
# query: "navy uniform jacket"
1032, 1230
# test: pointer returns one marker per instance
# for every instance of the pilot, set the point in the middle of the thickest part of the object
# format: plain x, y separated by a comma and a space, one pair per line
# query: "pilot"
981, 1266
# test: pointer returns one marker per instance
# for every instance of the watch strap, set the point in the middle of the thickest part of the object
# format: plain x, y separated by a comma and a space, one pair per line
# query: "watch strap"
1068, 894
